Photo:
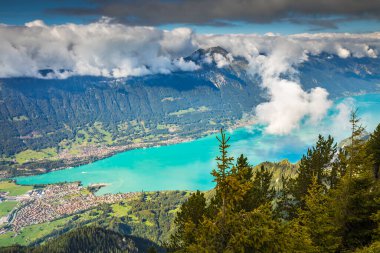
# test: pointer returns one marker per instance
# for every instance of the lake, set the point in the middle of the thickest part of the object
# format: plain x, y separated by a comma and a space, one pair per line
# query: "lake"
187, 166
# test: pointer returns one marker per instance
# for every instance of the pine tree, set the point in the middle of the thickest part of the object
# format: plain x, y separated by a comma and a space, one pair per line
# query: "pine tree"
318, 217
297, 238
374, 150
224, 163
338, 168
317, 163
337, 195
243, 170
374, 247
355, 204
254, 231
358, 160
244, 175
285, 203
356, 193
231, 228
262, 191
187, 221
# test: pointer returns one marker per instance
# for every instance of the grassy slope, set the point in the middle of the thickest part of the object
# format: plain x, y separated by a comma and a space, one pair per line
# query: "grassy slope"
6, 207
31, 233
14, 189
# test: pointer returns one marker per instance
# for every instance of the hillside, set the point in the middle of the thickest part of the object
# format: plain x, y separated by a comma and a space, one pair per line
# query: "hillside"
56, 123
90, 239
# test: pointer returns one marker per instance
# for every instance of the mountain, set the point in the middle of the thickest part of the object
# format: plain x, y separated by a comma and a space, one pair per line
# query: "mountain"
341, 77
55, 123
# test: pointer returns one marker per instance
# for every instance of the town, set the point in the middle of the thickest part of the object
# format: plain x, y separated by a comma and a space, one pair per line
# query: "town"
52, 202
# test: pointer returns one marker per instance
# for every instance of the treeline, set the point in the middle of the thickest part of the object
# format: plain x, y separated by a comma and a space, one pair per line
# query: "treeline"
90, 240
150, 216
333, 205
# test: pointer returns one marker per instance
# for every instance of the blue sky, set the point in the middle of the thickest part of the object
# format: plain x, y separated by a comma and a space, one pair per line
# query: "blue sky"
18, 12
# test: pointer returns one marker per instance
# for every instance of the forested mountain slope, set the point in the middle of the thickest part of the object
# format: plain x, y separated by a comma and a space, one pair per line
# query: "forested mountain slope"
52, 123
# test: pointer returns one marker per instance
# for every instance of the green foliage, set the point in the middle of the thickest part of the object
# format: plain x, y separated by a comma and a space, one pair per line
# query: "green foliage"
318, 218
261, 192
374, 150
239, 218
6, 207
32, 155
32, 233
224, 163
285, 203
373, 248
187, 221
358, 161
254, 231
355, 203
89, 239
296, 238
357, 194
315, 163
333, 205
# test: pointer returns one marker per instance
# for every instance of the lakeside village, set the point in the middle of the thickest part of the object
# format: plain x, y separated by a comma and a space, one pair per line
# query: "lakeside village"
44, 204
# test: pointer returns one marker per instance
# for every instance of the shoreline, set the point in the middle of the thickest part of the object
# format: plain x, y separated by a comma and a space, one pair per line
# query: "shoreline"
115, 150
246, 121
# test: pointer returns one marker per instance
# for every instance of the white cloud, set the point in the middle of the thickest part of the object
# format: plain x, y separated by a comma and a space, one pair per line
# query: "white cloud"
186, 65
100, 49
108, 49
288, 103
36, 23
222, 61
343, 53
274, 57
340, 124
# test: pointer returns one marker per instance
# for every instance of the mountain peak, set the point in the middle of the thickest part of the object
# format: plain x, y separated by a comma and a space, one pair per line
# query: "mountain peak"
202, 53
210, 55
216, 50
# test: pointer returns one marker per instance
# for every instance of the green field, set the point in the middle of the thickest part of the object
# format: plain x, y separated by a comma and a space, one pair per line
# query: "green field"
32, 155
31, 233
14, 189
120, 210
6, 207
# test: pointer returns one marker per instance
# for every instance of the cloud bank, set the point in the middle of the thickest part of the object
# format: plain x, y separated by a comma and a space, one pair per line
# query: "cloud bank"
99, 49
114, 50
108, 49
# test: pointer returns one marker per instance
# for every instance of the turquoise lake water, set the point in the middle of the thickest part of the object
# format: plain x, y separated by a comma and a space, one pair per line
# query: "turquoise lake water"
187, 166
